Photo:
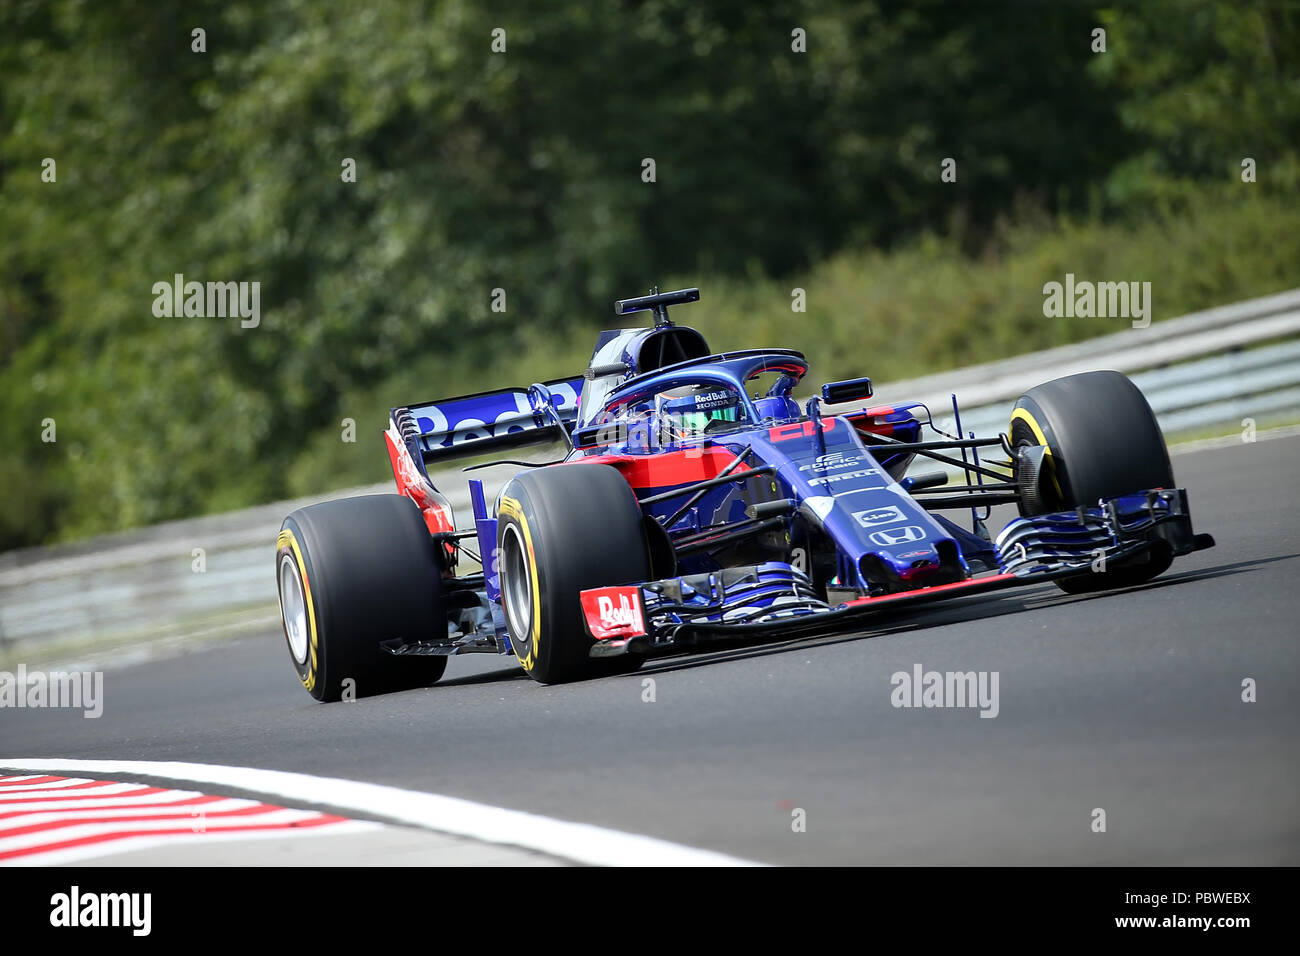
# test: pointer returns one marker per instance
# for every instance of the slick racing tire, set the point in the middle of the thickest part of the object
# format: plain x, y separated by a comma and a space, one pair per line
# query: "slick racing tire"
352, 575
1101, 440
560, 531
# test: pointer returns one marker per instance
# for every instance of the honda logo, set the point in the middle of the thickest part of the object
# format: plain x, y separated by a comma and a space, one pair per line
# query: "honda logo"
892, 536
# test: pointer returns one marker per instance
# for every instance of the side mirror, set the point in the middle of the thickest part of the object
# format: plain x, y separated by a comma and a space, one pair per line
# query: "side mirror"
542, 402
849, 390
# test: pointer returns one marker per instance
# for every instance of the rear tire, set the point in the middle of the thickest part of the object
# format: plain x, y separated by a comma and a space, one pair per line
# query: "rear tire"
352, 574
1102, 440
560, 531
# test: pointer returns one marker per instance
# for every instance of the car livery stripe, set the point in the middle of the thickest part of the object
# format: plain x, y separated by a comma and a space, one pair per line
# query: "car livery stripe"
778, 433
972, 584
664, 471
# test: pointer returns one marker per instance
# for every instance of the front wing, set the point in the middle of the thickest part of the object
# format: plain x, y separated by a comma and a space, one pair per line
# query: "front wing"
777, 599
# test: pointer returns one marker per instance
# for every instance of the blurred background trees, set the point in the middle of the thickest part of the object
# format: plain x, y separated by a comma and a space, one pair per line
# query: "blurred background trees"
522, 170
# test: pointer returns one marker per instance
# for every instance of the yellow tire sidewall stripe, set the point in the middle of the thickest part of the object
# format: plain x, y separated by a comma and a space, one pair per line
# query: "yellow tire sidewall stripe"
510, 508
1028, 418
286, 539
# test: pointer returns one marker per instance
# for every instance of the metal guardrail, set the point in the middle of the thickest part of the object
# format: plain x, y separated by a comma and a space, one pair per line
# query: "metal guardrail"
1194, 336
1257, 383
1201, 370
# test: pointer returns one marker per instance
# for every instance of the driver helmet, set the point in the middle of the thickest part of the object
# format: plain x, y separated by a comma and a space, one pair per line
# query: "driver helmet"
695, 408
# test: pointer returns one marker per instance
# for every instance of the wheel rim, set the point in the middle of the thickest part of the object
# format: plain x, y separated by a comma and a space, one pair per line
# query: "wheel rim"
1054, 499
516, 583
293, 609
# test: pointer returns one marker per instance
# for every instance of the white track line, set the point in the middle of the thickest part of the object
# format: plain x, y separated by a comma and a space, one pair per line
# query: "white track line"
77, 854
74, 830
23, 787
24, 784
580, 842
1233, 441
43, 820
158, 801
188, 811
105, 789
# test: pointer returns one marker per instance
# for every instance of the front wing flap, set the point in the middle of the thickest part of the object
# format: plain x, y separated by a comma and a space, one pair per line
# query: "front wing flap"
1117, 530
777, 599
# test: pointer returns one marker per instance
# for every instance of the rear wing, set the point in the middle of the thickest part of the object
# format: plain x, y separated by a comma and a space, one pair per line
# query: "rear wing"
486, 421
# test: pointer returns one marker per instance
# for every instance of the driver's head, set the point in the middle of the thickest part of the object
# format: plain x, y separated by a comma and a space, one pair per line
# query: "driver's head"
695, 408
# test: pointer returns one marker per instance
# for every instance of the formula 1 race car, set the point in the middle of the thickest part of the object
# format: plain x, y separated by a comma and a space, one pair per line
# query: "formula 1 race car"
698, 501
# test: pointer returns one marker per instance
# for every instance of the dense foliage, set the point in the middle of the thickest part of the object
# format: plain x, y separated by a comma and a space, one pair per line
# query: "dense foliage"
523, 170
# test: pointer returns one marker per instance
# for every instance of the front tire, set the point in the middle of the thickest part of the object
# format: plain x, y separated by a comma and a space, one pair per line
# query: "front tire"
560, 531
353, 574
1101, 440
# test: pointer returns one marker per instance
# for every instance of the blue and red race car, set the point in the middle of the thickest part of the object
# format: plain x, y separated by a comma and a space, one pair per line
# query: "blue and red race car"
697, 500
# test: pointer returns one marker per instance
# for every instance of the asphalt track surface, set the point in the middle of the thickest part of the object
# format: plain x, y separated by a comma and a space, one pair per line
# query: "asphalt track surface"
1129, 701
